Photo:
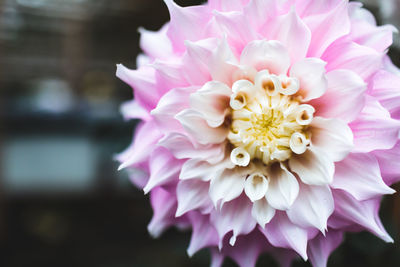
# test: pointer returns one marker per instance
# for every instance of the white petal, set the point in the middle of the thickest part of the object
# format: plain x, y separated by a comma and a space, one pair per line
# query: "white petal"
192, 194
270, 55
212, 100
227, 186
283, 187
332, 136
196, 125
262, 212
200, 169
314, 167
311, 74
256, 186
312, 207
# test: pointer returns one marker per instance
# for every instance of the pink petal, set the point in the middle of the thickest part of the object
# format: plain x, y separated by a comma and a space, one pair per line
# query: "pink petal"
344, 98
132, 110
187, 23
143, 82
192, 194
289, 29
259, 11
311, 74
169, 105
156, 44
379, 38
327, 27
363, 213
182, 148
170, 74
359, 175
322, 246
234, 216
390, 168
314, 167
221, 64
231, 25
374, 128
146, 137
203, 233
312, 207
332, 136
164, 168
280, 232
386, 88
164, 206
362, 60
201, 169
227, 5
271, 55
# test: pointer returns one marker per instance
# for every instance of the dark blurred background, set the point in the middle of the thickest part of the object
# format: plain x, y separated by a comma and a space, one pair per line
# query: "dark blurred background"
62, 202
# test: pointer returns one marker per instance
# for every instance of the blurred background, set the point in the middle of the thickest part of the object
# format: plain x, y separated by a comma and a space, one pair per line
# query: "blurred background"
62, 202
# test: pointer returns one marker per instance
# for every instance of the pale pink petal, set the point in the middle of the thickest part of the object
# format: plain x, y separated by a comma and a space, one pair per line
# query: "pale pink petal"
327, 27
227, 186
314, 167
132, 110
201, 169
386, 88
262, 212
374, 128
390, 168
143, 83
164, 168
212, 100
227, 5
203, 233
357, 12
363, 213
322, 246
170, 75
196, 125
182, 148
281, 232
344, 98
378, 38
259, 11
217, 258
360, 59
191, 195
332, 136
164, 206
222, 63
311, 74
231, 25
169, 105
271, 55
234, 216
283, 187
359, 175
312, 207
156, 44
289, 29
146, 137
187, 23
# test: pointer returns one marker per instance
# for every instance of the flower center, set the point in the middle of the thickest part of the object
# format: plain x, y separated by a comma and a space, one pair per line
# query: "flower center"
268, 121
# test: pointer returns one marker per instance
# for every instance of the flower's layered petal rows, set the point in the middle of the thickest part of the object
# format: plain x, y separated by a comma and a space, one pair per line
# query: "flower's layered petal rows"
267, 126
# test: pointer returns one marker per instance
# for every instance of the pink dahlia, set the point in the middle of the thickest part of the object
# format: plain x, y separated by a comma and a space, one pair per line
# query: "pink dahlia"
267, 126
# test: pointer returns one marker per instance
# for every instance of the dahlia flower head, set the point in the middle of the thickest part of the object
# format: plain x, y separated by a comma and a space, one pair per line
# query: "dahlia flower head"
266, 126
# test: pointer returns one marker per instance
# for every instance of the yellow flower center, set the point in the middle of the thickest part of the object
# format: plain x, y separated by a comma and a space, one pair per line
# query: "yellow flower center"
268, 121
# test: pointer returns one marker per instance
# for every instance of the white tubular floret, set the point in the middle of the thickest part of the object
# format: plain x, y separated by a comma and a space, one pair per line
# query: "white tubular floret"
288, 85
270, 83
304, 114
298, 143
240, 157
256, 186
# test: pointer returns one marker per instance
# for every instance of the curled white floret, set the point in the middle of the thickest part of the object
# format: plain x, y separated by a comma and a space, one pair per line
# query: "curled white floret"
299, 143
256, 186
240, 157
